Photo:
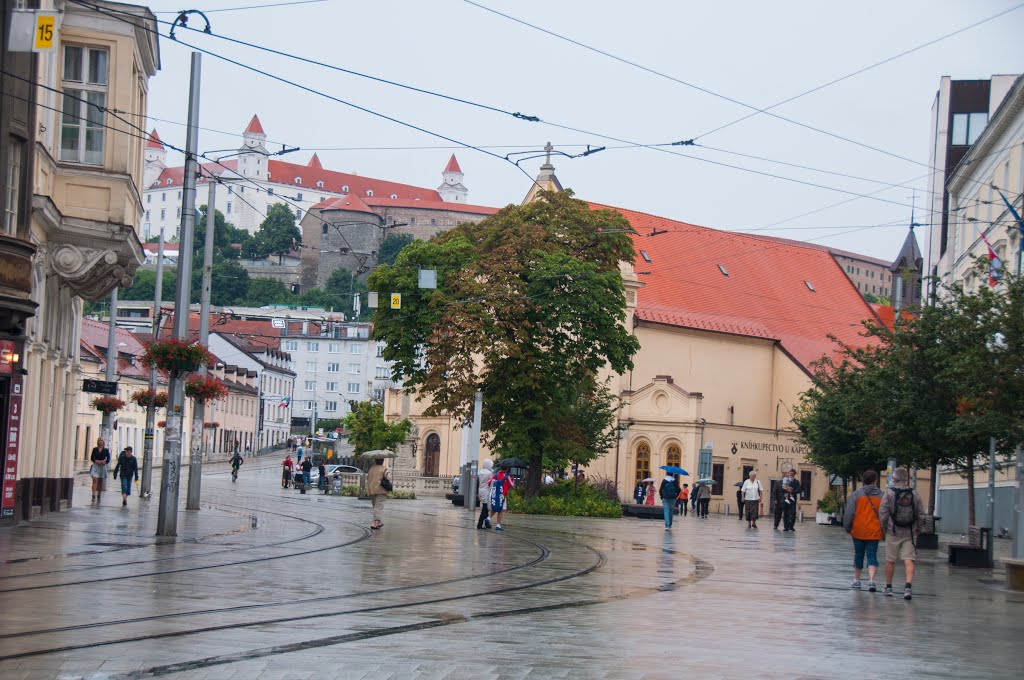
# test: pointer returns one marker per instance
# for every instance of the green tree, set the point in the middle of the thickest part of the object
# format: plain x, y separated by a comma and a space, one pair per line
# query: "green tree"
529, 300
344, 284
391, 246
277, 234
318, 297
264, 291
369, 431
229, 283
144, 286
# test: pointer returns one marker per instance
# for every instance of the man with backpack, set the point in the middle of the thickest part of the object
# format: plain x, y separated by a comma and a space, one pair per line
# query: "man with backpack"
669, 491
901, 515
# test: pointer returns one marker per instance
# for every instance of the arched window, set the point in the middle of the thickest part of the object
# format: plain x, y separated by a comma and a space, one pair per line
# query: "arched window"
643, 461
674, 456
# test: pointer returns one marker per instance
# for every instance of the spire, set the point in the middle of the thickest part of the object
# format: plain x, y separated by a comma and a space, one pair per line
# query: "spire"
453, 165
452, 189
546, 179
255, 128
154, 141
314, 162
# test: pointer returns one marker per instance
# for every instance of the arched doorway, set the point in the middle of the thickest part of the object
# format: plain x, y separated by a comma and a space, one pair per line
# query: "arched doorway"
432, 455
643, 462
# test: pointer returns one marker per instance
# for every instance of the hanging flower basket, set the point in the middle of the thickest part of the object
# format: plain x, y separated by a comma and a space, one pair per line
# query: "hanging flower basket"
107, 404
205, 389
176, 356
161, 423
144, 397
212, 426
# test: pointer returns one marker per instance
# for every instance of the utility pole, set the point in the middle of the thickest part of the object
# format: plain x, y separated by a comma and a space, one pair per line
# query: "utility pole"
1018, 507
167, 518
195, 463
107, 427
150, 439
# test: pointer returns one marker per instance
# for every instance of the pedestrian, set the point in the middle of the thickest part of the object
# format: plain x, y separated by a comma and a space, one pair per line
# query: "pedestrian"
100, 459
901, 516
307, 467
752, 491
669, 492
484, 494
548, 479
501, 484
321, 476
739, 501
684, 500
298, 454
649, 497
286, 471
779, 493
862, 521
639, 493
128, 467
704, 500
377, 487
793, 495
695, 498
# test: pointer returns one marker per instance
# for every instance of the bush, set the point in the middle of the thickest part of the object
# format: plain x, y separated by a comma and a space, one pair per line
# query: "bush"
829, 502
398, 495
350, 490
568, 500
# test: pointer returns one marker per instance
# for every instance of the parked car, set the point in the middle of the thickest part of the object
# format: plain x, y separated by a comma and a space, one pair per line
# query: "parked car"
332, 470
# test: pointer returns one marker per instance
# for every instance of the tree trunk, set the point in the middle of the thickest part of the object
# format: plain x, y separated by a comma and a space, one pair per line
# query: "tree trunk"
970, 490
934, 486
533, 475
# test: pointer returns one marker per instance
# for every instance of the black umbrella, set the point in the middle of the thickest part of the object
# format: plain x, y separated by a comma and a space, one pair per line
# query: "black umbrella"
513, 463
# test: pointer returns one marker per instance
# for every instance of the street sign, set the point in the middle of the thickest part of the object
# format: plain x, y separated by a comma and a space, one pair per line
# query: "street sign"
396, 301
99, 387
32, 31
46, 32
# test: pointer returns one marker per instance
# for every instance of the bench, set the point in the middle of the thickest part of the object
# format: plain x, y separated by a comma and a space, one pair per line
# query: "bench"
928, 539
977, 552
651, 511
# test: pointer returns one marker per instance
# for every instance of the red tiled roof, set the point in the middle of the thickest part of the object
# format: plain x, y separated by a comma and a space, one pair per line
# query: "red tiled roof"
886, 314
153, 142
453, 165
834, 251
285, 173
350, 202
765, 294
94, 339
259, 333
430, 205
255, 127
314, 162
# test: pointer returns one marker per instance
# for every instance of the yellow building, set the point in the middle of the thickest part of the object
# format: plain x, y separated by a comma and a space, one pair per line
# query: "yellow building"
729, 326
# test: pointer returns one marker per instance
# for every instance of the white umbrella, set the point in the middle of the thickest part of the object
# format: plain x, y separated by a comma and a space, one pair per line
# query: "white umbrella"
378, 453
648, 479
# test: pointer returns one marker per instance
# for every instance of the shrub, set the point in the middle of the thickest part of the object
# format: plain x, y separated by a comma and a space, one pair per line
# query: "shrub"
402, 495
567, 499
829, 502
350, 490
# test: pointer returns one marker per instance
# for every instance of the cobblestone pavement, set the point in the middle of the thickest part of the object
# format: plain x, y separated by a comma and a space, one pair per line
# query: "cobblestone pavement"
311, 592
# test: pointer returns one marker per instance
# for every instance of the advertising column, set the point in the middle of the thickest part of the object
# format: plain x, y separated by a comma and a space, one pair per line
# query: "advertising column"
11, 446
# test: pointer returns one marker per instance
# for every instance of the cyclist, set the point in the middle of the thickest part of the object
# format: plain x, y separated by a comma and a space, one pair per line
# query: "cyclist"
236, 462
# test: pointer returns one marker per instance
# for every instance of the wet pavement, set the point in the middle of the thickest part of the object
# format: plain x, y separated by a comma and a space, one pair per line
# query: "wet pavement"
271, 584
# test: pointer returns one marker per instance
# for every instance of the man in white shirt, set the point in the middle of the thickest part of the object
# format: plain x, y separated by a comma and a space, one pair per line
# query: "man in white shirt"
752, 491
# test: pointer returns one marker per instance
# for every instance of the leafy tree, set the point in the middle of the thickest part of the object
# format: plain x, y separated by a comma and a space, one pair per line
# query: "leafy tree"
225, 237
277, 234
585, 427
528, 301
344, 284
264, 291
144, 286
318, 297
229, 283
391, 246
368, 431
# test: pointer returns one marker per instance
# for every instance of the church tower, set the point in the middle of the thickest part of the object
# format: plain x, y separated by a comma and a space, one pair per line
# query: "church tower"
452, 189
252, 157
906, 274
155, 160
546, 180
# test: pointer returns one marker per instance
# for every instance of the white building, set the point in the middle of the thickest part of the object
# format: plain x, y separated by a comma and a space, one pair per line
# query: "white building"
256, 181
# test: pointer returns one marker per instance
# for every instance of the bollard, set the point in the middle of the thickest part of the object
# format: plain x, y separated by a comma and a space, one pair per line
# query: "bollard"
801, 515
728, 509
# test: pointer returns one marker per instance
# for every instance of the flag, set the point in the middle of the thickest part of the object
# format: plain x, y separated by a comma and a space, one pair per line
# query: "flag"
995, 264
284, 402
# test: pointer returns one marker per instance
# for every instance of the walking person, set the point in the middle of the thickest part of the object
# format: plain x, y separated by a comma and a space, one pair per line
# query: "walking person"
684, 500
639, 493
128, 467
793, 495
704, 501
377, 487
286, 470
694, 498
501, 484
307, 467
752, 491
100, 459
901, 516
483, 494
321, 476
649, 500
739, 501
669, 492
862, 521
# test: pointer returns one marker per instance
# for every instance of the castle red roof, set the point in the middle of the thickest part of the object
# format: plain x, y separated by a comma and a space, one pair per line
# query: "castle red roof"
453, 165
430, 205
790, 293
350, 202
255, 128
153, 141
314, 162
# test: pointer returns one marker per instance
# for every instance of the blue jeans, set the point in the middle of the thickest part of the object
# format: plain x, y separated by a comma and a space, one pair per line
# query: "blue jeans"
668, 505
860, 548
305, 477
126, 485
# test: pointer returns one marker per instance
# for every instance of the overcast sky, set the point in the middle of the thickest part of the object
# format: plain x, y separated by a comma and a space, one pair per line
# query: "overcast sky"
755, 52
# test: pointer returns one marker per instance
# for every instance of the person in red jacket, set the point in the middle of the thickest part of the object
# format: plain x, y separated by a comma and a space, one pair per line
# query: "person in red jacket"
286, 471
500, 486
862, 522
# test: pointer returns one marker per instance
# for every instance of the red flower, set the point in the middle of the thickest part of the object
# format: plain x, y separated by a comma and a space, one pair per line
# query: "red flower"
176, 355
205, 389
107, 404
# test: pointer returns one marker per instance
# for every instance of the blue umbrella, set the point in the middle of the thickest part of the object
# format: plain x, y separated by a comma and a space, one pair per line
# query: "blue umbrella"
675, 470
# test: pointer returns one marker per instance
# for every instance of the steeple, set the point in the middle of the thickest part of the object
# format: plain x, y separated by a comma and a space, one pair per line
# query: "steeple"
452, 189
314, 162
155, 159
906, 273
546, 179
252, 159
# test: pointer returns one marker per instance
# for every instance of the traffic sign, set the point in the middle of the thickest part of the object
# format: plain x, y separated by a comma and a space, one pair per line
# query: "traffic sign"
46, 32
99, 387
396, 301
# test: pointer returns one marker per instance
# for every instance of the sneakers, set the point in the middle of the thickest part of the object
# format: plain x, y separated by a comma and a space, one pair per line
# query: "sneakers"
856, 584
124, 502
888, 591
871, 587
498, 528
907, 593
487, 523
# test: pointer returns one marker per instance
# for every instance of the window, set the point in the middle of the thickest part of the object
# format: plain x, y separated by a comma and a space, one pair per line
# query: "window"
325, 228
433, 222
355, 348
412, 221
717, 474
674, 455
178, 214
179, 195
334, 368
147, 216
369, 192
310, 367
332, 387
344, 189
163, 197
163, 214
643, 462
298, 180
805, 485
810, 286
12, 186
330, 406
353, 388
312, 346
647, 258
333, 348
84, 101
967, 127
298, 196
354, 369
384, 373
298, 214
319, 185
380, 350
394, 196
311, 386
149, 198
722, 269
310, 405
291, 345
229, 207
746, 472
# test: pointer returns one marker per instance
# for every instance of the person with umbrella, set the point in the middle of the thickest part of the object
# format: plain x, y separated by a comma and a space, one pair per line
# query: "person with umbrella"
649, 500
704, 497
639, 492
668, 490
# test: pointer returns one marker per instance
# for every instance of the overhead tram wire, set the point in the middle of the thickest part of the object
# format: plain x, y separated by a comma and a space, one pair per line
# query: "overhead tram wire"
264, 6
861, 70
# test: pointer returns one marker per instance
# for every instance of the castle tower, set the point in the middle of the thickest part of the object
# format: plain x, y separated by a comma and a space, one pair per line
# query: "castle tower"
252, 159
155, 160
452, 189
546, 180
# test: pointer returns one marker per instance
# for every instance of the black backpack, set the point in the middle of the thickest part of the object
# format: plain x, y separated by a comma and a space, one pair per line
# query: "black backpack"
670, 490
904, 509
